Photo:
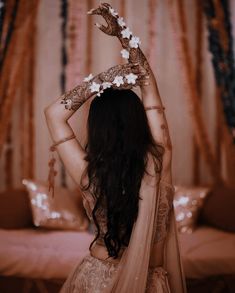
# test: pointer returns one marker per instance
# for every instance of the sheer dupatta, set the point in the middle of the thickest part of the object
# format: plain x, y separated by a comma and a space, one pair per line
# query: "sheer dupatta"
133, 267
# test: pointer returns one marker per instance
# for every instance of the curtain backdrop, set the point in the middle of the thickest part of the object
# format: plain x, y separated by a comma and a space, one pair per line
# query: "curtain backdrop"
105, 52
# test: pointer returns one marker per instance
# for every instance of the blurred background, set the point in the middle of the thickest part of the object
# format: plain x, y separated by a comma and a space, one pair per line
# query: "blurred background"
48, 47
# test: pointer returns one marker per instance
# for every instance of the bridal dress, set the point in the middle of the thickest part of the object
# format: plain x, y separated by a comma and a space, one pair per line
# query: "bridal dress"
154, 233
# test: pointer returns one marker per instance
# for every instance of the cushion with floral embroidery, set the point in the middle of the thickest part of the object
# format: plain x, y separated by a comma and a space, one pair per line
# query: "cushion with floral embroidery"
188, 202
58, 212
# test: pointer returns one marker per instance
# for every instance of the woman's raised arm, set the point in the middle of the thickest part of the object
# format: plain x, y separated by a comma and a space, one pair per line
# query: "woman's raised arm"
150, 94
57, 114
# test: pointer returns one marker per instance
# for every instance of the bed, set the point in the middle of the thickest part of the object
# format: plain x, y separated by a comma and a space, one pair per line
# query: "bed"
208, 256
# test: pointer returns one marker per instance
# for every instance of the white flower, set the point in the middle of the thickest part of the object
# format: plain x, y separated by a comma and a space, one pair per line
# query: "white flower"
88, 78
106, 85
95, 87
100, 92
131, 78
126, 33
134, 42
118, 80
121, 22
113, 12
125, 54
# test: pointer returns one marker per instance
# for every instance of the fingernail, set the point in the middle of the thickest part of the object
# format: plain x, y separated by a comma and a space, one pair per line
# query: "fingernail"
97, 24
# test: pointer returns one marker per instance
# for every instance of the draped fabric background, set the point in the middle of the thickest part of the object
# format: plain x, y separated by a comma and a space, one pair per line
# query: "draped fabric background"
105, 52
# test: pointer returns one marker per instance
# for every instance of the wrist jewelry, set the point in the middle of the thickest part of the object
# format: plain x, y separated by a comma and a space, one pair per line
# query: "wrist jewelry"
53, 147
52, 172
159, 108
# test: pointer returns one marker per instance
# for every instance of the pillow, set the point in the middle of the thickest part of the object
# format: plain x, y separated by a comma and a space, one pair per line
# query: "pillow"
219, 208
59, 212
188, 202
15, 211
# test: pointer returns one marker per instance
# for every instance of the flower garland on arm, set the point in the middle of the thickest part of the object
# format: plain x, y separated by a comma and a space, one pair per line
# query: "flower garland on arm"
120, 76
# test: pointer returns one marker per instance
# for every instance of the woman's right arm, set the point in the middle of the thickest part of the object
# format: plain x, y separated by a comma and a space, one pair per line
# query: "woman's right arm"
150, 94
158, 123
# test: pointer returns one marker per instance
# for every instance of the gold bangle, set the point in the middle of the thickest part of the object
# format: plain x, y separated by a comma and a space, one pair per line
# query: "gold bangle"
53, 147
159, 108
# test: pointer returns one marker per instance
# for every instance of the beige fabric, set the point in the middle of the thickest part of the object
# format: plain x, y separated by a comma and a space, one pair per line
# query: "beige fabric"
142, 265
93, 275
133, 267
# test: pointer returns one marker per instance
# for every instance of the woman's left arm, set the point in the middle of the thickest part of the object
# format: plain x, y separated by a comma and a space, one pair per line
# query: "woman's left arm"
71, 152
58, 113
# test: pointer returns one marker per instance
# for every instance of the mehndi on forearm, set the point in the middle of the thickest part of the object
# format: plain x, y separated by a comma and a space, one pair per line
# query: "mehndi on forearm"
119, 77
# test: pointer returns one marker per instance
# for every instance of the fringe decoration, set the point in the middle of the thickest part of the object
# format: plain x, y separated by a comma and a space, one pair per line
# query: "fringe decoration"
195, 110
51, 176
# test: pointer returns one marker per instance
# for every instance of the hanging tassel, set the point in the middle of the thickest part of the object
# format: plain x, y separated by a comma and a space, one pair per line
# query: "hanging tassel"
51, 175
52, 172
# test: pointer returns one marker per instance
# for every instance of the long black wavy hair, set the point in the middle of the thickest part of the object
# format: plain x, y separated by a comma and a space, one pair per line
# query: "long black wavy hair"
119, 139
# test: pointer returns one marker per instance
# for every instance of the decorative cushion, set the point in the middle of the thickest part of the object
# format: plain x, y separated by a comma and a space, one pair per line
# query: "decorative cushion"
188, 202
15, 211
58, 212
219, 209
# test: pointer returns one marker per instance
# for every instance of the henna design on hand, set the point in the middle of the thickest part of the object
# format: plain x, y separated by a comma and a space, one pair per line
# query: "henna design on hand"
118, 77
114, 29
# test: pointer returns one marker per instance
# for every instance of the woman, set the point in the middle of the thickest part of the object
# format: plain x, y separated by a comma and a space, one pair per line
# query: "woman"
124, 173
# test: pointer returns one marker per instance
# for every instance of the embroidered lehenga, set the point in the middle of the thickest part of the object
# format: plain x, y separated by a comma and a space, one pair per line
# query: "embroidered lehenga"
154, 229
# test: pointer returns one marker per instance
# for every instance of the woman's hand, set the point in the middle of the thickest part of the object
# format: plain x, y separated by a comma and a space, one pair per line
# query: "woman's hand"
108, 13
117, 27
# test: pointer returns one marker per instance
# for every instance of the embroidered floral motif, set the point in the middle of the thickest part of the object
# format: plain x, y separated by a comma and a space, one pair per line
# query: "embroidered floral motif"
165, 205
90, 276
